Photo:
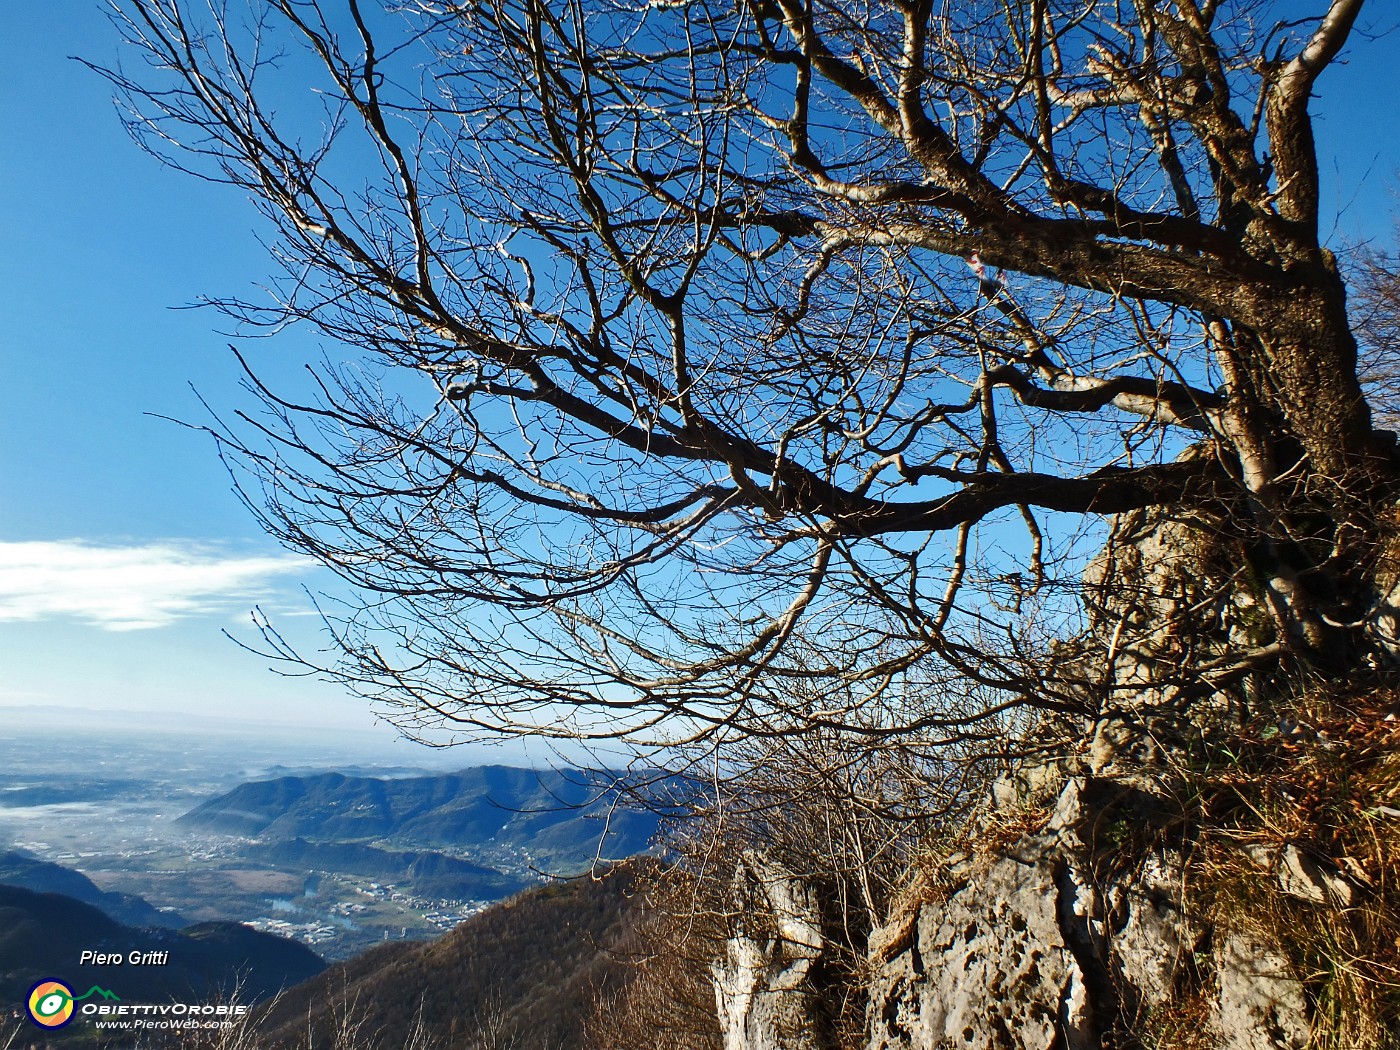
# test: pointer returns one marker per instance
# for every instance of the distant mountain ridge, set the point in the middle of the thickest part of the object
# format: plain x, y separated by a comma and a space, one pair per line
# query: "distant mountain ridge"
431, 874
564, 819
20, 869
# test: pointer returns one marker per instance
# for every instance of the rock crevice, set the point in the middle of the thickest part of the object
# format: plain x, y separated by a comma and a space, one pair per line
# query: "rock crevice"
1033, 948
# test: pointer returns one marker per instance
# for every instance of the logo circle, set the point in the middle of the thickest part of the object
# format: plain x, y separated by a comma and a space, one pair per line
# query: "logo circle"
50, 1004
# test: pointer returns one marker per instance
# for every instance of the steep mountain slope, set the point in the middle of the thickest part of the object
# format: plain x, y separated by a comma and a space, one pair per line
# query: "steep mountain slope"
525, 970
20, 869
562, 819
43, 935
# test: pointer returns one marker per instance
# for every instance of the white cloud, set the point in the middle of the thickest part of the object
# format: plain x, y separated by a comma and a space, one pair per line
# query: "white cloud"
129, 588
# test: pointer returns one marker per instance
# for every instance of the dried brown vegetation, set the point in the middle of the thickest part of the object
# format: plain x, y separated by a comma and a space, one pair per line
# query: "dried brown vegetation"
1302, 842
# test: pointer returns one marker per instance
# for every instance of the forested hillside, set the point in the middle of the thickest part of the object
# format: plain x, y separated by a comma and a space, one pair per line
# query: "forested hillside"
45, 934
20, 869
565, 819
523, 973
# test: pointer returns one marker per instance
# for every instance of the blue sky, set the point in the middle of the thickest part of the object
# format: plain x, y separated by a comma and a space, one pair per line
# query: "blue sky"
123, 553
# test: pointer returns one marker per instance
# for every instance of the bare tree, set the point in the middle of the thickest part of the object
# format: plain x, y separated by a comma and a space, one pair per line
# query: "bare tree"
706, 354
1377, 324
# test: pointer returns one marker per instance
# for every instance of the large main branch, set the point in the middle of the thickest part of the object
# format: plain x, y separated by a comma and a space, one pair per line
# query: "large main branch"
793, 489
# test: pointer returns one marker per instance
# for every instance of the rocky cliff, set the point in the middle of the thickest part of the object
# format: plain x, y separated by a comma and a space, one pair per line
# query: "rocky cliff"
1034, 946
1184, 869
1039, 947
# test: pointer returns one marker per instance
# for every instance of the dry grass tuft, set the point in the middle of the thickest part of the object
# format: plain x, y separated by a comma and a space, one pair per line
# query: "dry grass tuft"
1301, 842
1181, 1024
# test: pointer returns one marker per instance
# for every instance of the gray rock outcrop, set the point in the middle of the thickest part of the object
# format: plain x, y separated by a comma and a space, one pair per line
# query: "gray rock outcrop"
763, 990
1035, 950
1035, 947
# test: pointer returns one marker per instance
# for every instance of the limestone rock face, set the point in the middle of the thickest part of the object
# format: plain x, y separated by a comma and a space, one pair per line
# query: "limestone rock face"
1260, 1004
1031, 951
763, 991
984, 969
